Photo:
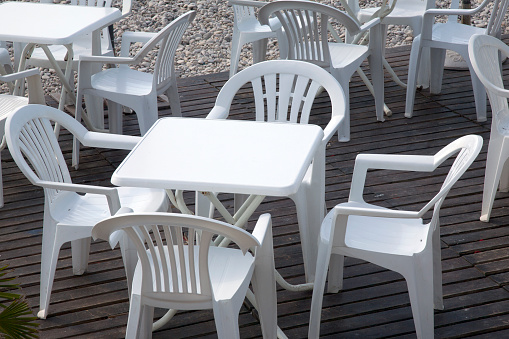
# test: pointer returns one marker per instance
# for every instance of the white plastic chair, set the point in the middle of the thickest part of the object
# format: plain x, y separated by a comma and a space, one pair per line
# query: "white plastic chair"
247, 28
9, 103
193, 275
284, 91
485, 52
306, 30
454, 36
404, 13
395, 239
69, 216
134, 89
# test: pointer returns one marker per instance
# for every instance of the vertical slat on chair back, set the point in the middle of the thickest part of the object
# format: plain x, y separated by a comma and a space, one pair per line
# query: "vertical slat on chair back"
243, 13
497, 17
171, 36
306, 31
93, 3
284, 97
180, 266
39, 145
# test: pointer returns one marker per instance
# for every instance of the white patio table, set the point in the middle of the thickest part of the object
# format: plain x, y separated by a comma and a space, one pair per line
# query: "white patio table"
232, 156
46, 24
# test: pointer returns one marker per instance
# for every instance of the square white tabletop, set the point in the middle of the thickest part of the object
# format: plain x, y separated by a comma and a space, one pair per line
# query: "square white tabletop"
51, 23
230, 156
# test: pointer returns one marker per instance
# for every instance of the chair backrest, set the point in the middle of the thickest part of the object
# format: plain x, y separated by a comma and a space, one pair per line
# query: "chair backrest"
168, 243
485, 52
243, 13
33, 144
467, 148
168, 40
284, 90
306, 29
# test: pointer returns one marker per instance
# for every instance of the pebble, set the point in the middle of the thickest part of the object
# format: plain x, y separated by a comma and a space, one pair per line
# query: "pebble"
206, 44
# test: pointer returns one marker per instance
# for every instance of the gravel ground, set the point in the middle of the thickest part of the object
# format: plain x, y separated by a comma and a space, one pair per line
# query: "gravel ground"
206, 45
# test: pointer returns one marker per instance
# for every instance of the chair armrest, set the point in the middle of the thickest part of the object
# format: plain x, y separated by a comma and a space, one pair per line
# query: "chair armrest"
363, 162
105, 59
371, 23
218, 112
111, 193
257, 4
129, 38
263, 228
20, 75
105, 140
398, 162
331, 128
368, 210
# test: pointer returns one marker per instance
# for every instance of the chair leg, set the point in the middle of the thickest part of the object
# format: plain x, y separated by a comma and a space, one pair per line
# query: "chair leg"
147, 319
344, 129
322, 264
147, 113
237, 43
498, 152
420, 288
437, 59
80, 250
376, 67
335, 277
173, 96
226, 317
503, 186
438, 300
413, 68
115, 117
49, 258
479, 93
264, 286
259, 50
135, 309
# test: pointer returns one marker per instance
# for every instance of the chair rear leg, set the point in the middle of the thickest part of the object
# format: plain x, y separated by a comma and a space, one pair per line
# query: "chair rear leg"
479, 94
80, 250
437, 59
133, 322
173, 96
49, 258
413, 68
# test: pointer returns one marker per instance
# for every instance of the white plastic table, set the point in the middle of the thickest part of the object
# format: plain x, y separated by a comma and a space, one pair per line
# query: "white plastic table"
53, 24
232, 156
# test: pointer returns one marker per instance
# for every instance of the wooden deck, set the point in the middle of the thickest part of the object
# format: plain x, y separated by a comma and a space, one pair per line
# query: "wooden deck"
374, 302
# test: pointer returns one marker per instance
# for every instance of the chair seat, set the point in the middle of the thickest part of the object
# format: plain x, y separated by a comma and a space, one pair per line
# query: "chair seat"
123, 80
89, 209
343, 55
386, 235
453, 33
228, 269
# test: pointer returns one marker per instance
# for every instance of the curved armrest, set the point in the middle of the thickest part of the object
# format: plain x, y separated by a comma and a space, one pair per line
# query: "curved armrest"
20, 75
399, 162
129, 38
364, 209
111, 193
371, 23
363, 162
218, 112
331, 128
105, 59
105, 140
